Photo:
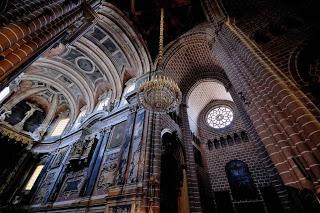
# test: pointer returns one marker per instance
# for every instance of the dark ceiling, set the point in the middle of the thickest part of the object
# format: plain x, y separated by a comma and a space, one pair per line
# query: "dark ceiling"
180, 16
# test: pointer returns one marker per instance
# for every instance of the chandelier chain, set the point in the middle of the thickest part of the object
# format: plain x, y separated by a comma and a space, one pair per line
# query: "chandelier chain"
160, 60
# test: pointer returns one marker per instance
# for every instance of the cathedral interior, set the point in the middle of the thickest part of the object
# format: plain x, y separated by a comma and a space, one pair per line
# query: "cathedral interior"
159, 106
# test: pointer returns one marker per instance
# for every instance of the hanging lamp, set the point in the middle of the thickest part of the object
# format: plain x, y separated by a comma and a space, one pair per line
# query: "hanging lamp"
160, 94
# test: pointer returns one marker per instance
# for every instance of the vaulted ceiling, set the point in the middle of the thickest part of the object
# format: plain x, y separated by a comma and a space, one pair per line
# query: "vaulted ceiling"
99, 62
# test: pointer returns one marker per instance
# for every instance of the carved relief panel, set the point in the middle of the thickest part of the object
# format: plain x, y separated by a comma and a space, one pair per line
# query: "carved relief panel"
107, 174
72, 185
109, 166
59, 157
44, 188
81, 153
136, 149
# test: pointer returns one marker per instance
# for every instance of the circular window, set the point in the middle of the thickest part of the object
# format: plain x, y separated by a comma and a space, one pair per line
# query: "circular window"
220, 117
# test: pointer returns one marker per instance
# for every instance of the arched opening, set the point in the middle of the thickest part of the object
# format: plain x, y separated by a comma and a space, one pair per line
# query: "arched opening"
229, 140
216, 144
240, 181
173, 193
223, 142
236, 138
245, 196
244, 136
26, 116
210, 145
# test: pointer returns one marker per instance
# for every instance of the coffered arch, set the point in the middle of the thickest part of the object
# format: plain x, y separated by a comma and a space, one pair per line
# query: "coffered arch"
108, 69
114, 21
86, 90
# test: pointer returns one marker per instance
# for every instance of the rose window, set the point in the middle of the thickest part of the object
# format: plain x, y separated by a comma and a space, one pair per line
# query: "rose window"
220, 117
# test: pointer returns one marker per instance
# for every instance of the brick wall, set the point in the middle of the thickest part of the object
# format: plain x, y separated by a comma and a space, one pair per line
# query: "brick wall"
217, 158
279, 29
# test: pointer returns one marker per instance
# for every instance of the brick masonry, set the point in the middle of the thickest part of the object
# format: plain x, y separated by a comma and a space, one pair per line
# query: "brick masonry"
218, 158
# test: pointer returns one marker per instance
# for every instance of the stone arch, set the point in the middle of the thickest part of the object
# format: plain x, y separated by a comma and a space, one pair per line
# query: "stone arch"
172, 176
214, 10
111, 71
202, 97
92, 119
21, 96
71, 100
240, 180
141, 59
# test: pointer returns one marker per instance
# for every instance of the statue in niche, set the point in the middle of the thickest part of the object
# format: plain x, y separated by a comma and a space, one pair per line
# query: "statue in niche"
38, 133
27, 115
89, 146
77, 150
4, 115
109, 107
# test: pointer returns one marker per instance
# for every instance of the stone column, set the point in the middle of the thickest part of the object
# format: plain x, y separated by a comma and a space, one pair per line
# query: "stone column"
152, 165
193, 188
28, 114
39, 132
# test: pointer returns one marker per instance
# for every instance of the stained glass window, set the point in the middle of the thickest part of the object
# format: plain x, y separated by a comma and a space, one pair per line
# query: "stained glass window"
240, 181
220, 117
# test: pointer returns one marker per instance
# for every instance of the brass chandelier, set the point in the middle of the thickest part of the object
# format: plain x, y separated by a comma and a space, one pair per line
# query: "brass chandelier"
160, 94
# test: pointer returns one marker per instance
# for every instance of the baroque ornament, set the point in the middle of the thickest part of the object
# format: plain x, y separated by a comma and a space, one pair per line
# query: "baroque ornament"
160, 94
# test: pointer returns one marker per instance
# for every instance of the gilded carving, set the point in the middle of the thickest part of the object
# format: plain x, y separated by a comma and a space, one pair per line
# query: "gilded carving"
14, 135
